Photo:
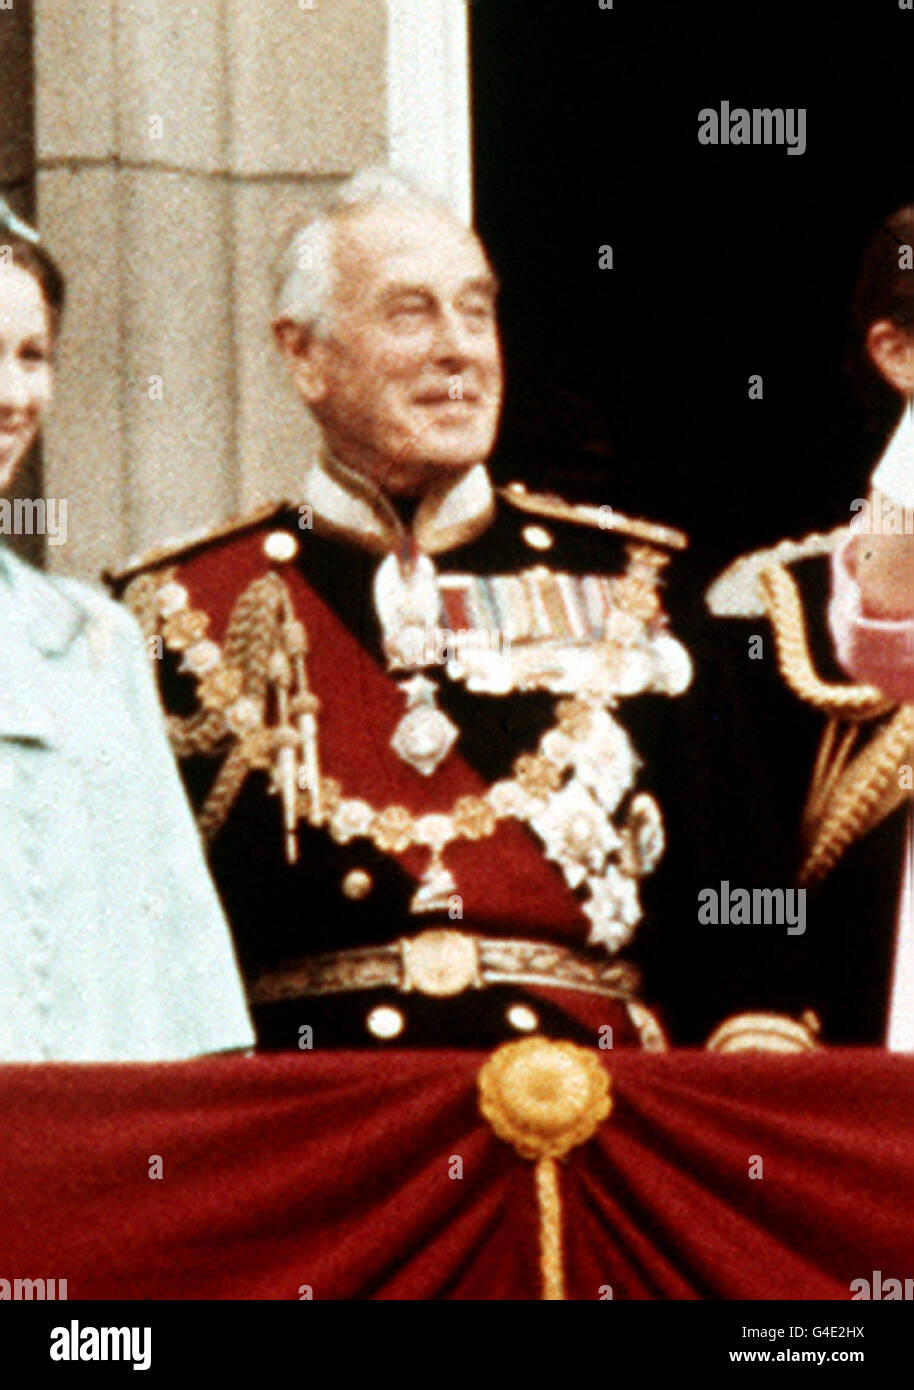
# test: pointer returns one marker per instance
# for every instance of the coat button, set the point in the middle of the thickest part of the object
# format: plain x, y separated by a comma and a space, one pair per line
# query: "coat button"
523, 1018
280, 546
385, 1021
357, 884
537, 537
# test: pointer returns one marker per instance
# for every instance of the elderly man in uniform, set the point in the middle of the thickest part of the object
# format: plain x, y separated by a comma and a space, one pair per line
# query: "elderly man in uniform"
399, 698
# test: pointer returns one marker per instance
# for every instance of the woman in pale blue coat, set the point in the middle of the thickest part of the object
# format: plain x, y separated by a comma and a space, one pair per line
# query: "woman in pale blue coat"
113, 946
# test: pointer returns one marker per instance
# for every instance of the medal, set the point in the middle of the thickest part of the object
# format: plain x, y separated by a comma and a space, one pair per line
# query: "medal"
406, 602
424, 736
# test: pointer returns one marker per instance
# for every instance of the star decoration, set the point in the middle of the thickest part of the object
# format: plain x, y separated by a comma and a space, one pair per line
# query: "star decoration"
575, 832
613, 908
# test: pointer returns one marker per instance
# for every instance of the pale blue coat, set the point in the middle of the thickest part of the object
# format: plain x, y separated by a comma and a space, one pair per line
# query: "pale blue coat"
113, 946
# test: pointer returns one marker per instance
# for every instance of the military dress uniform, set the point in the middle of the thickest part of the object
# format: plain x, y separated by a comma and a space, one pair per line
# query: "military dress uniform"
405, 743
821, 780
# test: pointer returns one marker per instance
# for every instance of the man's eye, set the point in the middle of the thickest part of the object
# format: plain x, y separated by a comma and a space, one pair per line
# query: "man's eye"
34, 353
408, 311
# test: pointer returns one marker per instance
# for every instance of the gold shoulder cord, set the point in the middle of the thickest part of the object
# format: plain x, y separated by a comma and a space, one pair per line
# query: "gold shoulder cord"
848, 796
255, 704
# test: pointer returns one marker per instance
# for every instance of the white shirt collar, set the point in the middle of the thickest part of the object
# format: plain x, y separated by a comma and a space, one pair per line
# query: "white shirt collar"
347, 504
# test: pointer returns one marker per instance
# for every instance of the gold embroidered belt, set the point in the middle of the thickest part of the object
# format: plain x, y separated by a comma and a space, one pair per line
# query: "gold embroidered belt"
442, 962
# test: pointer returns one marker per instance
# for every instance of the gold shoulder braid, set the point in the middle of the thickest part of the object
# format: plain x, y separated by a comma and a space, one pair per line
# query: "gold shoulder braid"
848, 796
257, 711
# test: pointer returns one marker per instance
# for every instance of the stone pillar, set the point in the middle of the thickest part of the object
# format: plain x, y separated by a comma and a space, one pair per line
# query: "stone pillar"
17, 146
17, 180
177, 145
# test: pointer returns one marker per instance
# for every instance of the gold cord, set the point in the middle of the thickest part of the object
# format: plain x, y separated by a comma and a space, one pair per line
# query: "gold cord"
786, 613
550, 1209
828, 768
868, 790
847, 797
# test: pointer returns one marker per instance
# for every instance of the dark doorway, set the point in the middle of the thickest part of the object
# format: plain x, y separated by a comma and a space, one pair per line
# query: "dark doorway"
630, 385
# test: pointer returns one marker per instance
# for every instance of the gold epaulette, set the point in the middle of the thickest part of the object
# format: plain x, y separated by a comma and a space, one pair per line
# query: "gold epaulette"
737, 592
606, 518
181, 549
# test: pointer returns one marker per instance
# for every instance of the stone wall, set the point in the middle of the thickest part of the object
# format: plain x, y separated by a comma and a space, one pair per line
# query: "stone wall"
172, 148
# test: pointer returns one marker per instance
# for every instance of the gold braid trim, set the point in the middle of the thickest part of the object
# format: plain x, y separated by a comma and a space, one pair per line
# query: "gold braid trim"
140, 598
234, 689
847, 797
224, 791
861, 797
253, 636
782, 600
201, 732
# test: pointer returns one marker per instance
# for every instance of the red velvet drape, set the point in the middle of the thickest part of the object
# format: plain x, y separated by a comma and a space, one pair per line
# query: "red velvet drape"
333, 1171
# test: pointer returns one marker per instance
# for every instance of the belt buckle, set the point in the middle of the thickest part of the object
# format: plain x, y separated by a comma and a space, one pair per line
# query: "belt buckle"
440, 962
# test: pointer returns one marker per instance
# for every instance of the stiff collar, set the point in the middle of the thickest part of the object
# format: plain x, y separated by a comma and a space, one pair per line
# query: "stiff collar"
50, 619
348, 505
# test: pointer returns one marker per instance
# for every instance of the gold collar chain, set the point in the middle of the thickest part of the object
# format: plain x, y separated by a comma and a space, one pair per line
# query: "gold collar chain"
261, 662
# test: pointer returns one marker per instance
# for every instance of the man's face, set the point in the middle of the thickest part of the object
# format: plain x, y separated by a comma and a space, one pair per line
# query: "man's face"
407, 379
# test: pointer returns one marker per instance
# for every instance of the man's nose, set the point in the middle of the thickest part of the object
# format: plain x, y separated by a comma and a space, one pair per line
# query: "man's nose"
453, 339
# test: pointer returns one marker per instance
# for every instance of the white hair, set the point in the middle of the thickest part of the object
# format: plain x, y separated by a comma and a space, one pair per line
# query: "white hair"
306, 275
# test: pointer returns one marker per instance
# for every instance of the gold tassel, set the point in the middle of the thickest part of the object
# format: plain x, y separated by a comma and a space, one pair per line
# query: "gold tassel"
545, 1098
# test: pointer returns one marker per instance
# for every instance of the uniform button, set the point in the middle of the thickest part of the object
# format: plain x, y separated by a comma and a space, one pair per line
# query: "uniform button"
385, 1022
280, 546
537, 537
523, 1018
357, 884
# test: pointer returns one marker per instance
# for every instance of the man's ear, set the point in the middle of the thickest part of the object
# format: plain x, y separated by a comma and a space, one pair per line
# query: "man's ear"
304, 354
891, 351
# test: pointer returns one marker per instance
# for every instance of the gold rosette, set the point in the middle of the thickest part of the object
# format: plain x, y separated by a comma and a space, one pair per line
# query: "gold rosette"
537, 775
392, 831
545, 1098
473, 818
185, 629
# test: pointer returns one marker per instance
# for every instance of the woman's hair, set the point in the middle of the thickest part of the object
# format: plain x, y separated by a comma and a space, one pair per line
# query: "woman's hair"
30, 255
885, 290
